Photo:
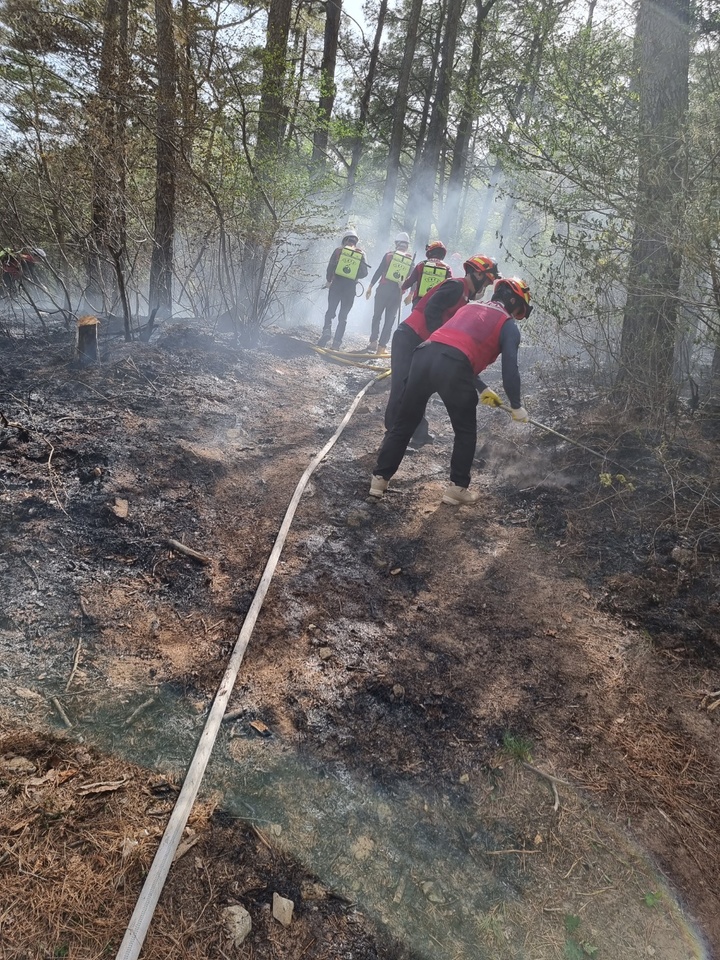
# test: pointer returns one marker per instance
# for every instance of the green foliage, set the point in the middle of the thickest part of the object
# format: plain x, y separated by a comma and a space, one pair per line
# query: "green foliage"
617, 481
652, 899
574, 948
572, 922
517, 747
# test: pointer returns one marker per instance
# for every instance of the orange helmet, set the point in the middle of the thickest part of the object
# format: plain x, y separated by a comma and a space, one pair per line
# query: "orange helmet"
436, 250
513, 293
485, 266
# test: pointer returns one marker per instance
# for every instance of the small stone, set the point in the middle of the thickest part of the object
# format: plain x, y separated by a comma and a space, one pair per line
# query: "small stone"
398, 690
282, 909
651, 951
465, 778
432, 891
275, 829
238, 924
325, 653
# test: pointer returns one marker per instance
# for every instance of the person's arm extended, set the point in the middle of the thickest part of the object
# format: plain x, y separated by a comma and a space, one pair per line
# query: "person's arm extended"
448, 294
332, 264
509, 343
412, 278
380, 271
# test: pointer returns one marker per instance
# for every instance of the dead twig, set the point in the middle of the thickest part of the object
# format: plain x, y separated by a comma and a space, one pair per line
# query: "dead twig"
501, 853
188, 551
63, 716
546, 776
138, 710
76, 658
50, 476
32, 571
23, 431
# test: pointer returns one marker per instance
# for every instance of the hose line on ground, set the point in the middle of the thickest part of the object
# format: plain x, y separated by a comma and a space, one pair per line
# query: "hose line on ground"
155, 881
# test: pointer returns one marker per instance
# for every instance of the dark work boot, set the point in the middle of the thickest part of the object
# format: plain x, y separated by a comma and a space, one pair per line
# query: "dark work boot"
325, 338
419, 441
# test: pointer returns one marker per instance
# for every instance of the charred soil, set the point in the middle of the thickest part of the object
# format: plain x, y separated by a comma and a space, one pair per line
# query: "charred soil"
485, 731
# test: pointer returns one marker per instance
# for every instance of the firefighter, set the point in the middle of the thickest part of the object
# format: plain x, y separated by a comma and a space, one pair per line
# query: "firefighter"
428, 273
346, 266
431, 311
393, 270
449, 363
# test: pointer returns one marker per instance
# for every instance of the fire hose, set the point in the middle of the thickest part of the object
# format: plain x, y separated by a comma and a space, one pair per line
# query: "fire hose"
155, 881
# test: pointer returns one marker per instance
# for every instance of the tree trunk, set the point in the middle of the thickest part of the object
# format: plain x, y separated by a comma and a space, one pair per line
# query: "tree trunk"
272, 86
428, 173
662, 50
299, 55
263, 220
328, 89
108, 215
387, 204
364, 107
161, 265
449, 226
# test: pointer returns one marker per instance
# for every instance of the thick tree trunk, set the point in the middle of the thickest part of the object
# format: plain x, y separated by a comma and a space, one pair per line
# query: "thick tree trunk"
271, 123
398, 126
333, 9
428, 173
662, 49
108, 216
263, 219
161, 266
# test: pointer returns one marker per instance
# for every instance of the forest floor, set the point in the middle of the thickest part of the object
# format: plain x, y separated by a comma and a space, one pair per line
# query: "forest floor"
477, 732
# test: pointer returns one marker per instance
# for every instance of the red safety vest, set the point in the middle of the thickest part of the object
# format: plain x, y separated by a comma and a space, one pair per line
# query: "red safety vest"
416, 320
475, 330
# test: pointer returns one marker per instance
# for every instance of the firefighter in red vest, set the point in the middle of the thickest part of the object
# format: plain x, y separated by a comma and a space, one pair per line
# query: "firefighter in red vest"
428, 273
346, 266
393, 270
431, 311
449, 363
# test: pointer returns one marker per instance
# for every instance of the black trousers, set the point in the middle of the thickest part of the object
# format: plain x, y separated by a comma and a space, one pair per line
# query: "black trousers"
342, 294
435, 368
387, 301
404, 342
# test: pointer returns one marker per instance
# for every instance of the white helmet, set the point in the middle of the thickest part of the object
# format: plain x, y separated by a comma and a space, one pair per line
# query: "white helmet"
350, 234
402, 238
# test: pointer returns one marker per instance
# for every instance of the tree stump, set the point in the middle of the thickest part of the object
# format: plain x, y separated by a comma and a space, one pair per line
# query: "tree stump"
87, 340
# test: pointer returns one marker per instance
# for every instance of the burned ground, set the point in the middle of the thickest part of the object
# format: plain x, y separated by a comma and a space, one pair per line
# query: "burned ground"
416, 674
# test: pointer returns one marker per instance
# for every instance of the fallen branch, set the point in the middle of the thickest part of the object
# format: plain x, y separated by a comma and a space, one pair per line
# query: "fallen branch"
63, 716
138, 710
76, 658
500, 853
188, 551
546, 776
23, 432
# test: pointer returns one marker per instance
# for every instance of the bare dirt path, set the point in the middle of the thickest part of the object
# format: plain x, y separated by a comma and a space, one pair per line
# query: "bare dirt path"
418, 677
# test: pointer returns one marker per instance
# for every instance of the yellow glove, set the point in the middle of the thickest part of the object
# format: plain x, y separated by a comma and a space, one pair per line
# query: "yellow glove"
490, 398
368, 292
520, 415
